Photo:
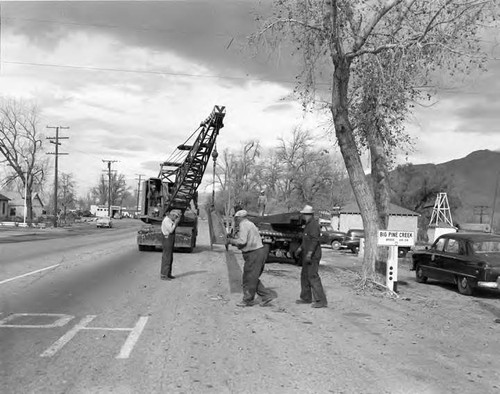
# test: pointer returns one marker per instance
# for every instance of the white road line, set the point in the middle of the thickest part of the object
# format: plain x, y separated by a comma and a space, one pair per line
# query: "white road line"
133, 338
67, 337
29, 273
61, 320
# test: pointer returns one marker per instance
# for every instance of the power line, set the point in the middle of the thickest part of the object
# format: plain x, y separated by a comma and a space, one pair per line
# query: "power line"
150, 72
55, 140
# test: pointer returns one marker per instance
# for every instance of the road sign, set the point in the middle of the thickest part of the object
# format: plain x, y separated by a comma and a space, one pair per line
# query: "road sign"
396, 238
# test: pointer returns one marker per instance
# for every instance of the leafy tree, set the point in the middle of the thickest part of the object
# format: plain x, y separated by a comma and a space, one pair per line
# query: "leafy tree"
342, 41
21, 148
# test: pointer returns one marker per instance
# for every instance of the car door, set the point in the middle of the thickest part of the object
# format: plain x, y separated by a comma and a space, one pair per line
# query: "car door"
323, 238
452, 259
433, 264
457, 261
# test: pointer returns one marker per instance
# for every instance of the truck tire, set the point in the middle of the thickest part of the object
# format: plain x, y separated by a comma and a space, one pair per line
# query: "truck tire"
193, 243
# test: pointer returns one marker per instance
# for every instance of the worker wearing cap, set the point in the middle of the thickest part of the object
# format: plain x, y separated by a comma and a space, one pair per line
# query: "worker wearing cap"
309, 253
168, 226
254, 254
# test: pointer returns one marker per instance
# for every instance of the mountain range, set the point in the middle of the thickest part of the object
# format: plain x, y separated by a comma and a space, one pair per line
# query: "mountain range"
474, 179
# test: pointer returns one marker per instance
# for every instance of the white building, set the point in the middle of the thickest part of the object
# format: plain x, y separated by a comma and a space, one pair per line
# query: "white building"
399, 219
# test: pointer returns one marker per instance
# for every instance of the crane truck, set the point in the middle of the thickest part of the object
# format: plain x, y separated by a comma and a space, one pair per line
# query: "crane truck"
176, 186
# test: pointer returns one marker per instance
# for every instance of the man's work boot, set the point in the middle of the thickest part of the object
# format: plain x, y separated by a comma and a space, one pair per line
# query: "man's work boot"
244, 304
267, 301
319, 305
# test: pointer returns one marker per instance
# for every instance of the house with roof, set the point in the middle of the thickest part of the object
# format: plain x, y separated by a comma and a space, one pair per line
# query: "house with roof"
4, 206
400, 218
15, 205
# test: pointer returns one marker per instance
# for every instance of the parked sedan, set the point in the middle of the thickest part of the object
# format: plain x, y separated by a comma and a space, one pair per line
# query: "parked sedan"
331, 237
352, 241
469, 260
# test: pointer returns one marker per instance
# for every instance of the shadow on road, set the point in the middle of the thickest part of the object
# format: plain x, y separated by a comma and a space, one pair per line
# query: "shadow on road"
189, 273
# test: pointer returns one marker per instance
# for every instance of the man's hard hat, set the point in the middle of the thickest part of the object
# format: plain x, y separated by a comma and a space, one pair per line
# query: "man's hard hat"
241, 214
262, 192
307, 210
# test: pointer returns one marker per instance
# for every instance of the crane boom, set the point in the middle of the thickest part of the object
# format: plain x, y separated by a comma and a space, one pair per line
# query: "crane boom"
186, 176
176, 187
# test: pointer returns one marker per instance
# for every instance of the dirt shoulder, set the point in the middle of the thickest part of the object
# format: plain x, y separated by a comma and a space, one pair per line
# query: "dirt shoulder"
428, 340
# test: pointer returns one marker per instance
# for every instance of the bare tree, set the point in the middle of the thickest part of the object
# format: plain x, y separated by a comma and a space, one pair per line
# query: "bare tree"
21, 148
66, 195
119, 189
339, 39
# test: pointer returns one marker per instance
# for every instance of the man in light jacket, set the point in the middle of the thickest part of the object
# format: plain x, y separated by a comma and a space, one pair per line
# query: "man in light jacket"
168, 226
254, 254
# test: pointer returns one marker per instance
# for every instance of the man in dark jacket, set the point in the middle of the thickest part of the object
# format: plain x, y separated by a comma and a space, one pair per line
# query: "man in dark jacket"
310, 255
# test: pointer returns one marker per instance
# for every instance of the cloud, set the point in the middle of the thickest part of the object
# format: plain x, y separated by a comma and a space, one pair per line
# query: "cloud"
133, 80
139, 118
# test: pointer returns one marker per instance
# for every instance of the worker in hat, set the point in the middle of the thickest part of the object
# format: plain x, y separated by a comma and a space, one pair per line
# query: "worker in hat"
168, 226
261, 203
309, 253
254, 255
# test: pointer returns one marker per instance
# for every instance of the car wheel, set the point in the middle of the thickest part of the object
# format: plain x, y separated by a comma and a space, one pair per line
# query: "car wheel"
355, 249
465, 285
419, 275
335, 245
402, 252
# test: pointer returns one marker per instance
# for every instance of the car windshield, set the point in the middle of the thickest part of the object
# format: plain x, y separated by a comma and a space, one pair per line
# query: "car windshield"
481, 247
328, 227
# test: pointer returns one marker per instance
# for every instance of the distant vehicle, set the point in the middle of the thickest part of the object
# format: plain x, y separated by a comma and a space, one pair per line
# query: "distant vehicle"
331, 237
469, 260
104, 221
352, 241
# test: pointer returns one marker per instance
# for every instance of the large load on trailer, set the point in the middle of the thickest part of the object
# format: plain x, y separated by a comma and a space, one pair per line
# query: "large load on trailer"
176, 188
281, 235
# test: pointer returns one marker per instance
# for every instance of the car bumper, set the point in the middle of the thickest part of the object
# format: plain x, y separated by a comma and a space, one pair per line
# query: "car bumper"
489, 285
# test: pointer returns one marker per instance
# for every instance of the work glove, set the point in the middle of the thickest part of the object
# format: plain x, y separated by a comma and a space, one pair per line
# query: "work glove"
308, 258
297, 252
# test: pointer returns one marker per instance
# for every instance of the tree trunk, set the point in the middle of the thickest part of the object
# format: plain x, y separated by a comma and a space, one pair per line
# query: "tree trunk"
347, 143
29, 205
380, 182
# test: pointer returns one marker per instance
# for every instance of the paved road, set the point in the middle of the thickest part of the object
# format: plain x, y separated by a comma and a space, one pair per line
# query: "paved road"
88, 314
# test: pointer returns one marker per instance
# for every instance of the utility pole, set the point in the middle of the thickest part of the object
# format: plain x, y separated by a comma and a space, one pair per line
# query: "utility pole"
138, 191
494, 203
55, 140
109, 184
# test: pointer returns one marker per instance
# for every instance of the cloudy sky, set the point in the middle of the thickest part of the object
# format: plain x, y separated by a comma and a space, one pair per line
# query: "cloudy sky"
133, 80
